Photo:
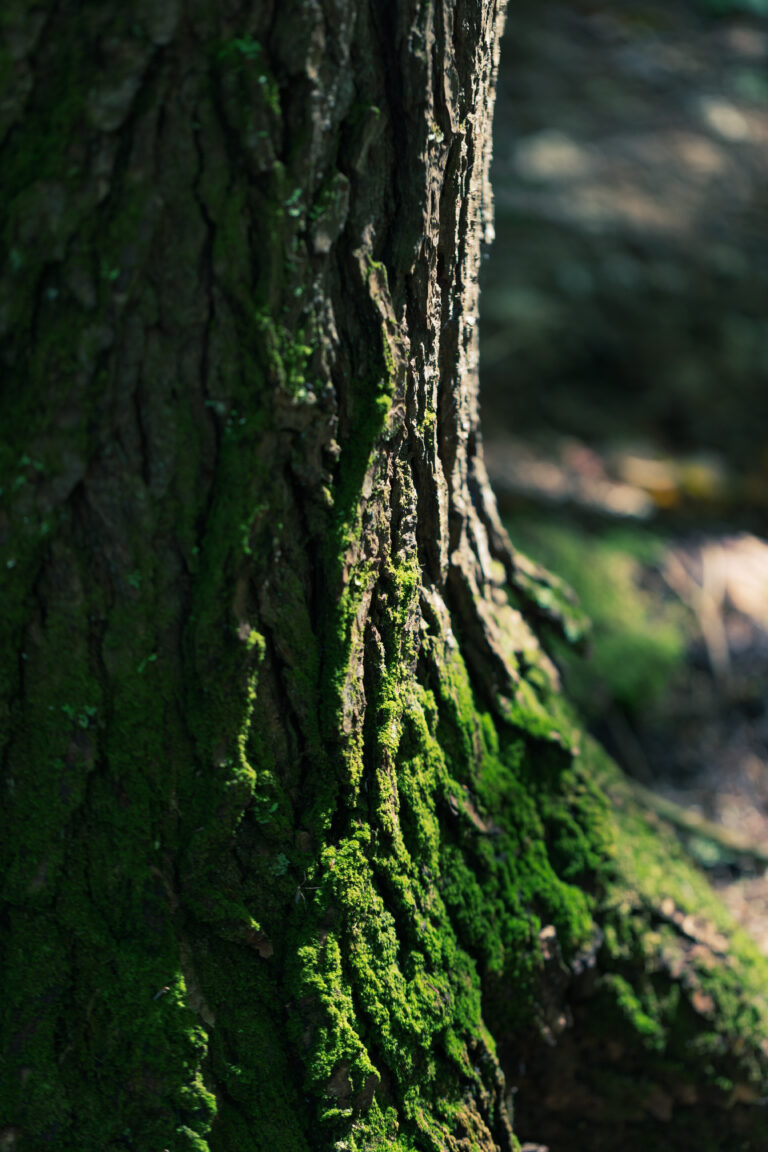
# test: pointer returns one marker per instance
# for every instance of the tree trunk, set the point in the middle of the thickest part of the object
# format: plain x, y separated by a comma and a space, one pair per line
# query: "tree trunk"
300, 847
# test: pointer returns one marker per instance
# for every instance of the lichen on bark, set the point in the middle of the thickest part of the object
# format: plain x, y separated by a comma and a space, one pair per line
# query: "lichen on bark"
303, 846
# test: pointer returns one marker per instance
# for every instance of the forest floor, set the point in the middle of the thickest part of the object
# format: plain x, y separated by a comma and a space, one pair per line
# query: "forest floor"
625, 385
626, 293
674, 678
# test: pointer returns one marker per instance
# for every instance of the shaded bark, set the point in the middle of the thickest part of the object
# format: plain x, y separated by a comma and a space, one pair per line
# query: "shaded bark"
298, 824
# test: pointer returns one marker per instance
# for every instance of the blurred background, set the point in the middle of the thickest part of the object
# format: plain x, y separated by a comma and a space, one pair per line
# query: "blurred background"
624, 383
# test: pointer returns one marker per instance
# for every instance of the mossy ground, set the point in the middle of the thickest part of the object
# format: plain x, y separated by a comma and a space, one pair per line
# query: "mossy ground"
638, 636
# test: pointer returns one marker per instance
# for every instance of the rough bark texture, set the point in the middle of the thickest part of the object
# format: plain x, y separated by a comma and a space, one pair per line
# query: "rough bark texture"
300, 847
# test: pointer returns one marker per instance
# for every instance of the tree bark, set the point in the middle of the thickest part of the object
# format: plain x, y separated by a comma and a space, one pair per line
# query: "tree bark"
301, 848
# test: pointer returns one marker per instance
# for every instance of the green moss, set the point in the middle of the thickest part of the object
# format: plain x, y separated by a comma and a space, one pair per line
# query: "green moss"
683, 980
617, 997
638, 639
433, 886
91, 985
245, 56
288, 354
